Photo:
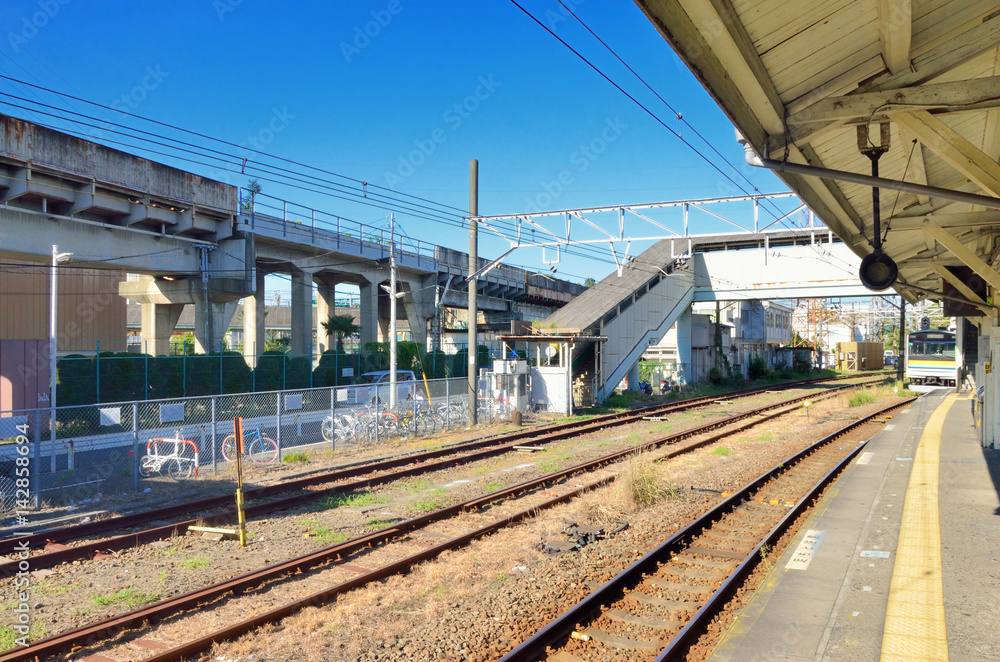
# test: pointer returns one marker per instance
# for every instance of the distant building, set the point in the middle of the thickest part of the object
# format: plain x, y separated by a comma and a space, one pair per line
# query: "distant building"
746, 329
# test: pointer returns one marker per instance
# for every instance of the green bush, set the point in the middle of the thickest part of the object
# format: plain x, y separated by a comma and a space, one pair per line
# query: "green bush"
757, 368
714, 376
75, 383
270, 372
801, 365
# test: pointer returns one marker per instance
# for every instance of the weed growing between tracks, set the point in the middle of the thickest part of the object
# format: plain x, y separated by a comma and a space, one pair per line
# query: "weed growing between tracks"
863, 397
126, 597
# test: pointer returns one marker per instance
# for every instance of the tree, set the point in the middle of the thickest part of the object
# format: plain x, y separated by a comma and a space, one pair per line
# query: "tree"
253, 188
340, 327
589, 282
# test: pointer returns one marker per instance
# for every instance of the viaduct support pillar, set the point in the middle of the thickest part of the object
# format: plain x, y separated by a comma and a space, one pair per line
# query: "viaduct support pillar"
419, 305
325, 308
302, 324
158, 323
369, 312
211, 321
254, 338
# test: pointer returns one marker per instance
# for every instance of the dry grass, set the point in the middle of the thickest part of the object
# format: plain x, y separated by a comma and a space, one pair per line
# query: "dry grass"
642, 483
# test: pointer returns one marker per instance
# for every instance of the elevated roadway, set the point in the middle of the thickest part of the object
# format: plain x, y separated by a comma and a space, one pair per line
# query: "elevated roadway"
193, 242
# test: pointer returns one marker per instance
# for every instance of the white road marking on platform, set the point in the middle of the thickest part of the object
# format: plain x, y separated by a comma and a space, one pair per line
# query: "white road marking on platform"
806, 550
865, 458
891, 426
875, 554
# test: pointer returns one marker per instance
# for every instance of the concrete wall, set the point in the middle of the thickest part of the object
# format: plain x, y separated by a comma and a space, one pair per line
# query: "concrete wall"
89, 308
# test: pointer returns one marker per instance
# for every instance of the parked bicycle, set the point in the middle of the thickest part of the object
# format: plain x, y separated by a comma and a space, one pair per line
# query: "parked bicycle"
341, 427
165, 456
258, 447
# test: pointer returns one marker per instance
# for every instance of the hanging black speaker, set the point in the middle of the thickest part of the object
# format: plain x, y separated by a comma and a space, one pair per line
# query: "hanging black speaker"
878, 271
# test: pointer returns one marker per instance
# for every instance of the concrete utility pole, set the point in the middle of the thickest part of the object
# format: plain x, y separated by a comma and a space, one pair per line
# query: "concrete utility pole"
392, 311
473, 267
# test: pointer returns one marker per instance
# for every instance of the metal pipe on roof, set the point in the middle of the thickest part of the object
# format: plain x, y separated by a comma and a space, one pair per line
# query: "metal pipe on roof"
865, 180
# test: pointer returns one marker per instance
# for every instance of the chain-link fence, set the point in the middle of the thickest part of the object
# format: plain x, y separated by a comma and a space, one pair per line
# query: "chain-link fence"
159, 449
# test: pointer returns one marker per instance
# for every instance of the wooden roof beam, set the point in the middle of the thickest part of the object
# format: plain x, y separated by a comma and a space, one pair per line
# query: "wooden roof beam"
955, 220
957, 283
894, 32
968, 257
978, 92
942, 58
958, 152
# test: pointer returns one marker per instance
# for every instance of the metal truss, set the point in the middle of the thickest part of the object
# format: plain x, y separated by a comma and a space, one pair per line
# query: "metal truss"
554, 231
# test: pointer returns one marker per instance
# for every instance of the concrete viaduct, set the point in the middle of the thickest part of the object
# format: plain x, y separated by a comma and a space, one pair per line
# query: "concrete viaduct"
192, 242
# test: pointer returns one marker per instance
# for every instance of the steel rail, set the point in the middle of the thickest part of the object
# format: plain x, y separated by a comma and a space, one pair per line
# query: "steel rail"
87, 550
559, 629
97, 527
66, 641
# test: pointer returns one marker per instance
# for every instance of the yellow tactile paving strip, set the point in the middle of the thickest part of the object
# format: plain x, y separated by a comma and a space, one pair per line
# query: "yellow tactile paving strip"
914, 620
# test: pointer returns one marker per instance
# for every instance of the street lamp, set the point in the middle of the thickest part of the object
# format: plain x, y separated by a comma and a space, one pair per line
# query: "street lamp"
57, 259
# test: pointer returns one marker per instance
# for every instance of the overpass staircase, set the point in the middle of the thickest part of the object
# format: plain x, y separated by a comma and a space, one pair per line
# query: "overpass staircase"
632, 310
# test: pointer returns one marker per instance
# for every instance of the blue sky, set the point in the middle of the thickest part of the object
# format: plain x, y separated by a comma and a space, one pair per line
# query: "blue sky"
401, 94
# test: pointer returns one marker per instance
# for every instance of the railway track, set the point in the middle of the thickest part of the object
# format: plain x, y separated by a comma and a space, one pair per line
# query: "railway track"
661, 604
512, 498
220, 511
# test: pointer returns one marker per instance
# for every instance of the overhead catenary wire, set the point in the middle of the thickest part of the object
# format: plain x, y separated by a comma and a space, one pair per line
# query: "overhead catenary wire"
644, 107
649, 87
231, 144
230, 166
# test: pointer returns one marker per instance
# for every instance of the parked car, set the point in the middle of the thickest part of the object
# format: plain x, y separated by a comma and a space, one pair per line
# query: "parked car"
372, 387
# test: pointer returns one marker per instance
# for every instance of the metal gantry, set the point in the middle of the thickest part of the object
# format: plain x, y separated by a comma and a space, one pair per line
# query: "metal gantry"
555, 231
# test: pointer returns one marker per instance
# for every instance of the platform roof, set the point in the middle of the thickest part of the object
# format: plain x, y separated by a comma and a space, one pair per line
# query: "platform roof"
797, 77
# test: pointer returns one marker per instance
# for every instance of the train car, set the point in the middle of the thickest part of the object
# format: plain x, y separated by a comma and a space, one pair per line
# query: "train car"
930, 360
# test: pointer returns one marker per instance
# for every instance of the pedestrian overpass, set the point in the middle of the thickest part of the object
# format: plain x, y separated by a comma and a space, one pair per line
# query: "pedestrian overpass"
634, 308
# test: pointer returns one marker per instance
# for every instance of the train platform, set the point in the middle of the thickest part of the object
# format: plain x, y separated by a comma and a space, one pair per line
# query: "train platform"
899, 561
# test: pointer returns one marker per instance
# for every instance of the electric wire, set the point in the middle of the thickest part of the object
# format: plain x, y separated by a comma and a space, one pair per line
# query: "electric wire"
664, 101
582, 251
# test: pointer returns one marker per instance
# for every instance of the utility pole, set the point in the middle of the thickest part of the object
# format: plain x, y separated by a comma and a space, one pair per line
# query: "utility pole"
392, 311
473, 267
901, 354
